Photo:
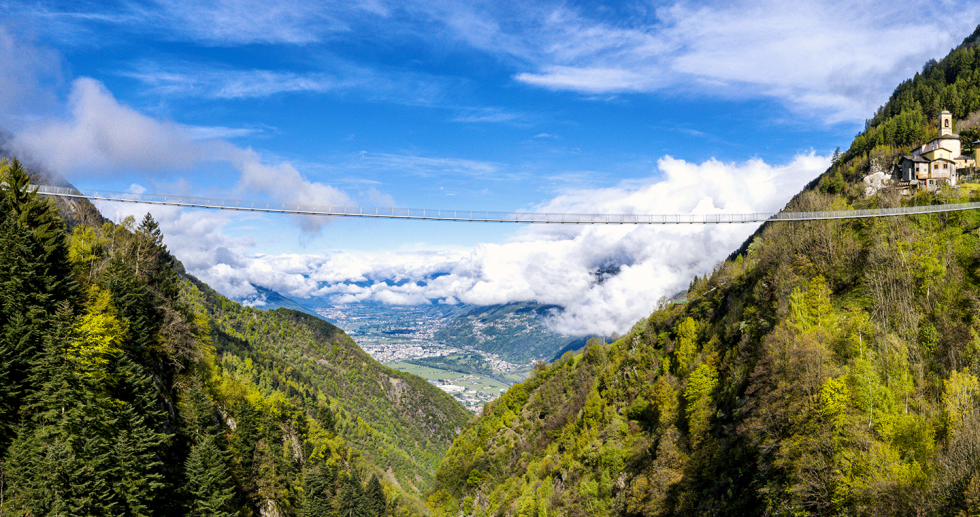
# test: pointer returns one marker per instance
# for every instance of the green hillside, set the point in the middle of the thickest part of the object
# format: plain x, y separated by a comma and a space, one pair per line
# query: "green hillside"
828, 368
394, 419
129, 388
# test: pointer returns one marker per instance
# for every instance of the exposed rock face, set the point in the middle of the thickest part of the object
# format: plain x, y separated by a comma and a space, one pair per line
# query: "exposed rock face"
396, 388
229, 420
876, 180
269, 508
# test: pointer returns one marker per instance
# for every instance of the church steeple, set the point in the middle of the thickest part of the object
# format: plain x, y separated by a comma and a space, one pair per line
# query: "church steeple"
945, 123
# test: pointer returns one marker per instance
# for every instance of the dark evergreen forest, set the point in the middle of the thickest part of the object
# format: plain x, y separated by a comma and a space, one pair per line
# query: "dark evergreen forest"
127, 387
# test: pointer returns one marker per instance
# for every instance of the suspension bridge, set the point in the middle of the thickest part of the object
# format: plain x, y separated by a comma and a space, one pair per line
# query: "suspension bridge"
487, 216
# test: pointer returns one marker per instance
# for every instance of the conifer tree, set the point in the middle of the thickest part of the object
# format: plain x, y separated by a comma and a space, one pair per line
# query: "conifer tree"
350, 501
243, 441
90, 446
209, 485
326, 418
374, 497
199, 413
316, 501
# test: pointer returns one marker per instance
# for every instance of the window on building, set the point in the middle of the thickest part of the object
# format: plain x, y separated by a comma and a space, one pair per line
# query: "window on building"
945, 165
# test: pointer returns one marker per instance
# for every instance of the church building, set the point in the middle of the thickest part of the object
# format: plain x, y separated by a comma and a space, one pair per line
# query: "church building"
937, 161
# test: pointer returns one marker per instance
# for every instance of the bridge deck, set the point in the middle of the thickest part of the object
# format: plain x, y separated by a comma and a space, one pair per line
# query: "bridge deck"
486, 216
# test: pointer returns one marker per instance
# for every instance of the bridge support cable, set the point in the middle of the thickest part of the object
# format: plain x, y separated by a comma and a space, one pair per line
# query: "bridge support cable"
486, 216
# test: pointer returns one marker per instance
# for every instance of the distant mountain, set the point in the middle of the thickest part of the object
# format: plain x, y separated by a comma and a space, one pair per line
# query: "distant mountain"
516, 332
268, 300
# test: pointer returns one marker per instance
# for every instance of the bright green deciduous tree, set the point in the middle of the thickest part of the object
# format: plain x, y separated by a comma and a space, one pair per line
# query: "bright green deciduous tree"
834, 397
698, 400
811, 307
960, 395
100, 333
686, 349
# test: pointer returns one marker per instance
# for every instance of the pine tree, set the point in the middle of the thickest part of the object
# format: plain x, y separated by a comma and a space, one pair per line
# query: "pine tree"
45, 473
374, 497
137, 438
350, 501
40, 217
91, 444
316, 501
326, 418
148, 248
209, 484
199, 413
244, 439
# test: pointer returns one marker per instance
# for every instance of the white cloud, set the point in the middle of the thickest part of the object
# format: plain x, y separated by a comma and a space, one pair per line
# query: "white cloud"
493, 115
334, 76
555, 264
103, 136
228, 22
215, 23
834, 60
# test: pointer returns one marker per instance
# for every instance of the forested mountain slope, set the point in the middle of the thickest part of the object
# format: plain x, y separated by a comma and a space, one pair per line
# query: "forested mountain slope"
394, 419
830, 368
130, 388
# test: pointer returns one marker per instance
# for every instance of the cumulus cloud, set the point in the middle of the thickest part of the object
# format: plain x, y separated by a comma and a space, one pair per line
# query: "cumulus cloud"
605, 277
103, 136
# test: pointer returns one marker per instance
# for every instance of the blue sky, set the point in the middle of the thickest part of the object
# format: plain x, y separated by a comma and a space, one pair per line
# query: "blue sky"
638, 106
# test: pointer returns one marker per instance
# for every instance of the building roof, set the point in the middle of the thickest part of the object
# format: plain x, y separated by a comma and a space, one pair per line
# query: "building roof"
915, 158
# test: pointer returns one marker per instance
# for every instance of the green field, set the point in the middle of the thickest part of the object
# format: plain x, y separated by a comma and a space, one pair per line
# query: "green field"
485, 387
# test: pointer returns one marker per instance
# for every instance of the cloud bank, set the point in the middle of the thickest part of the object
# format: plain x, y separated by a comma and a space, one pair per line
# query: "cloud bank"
605, 277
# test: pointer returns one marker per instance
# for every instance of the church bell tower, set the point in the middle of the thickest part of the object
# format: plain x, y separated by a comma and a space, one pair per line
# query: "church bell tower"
945, 123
